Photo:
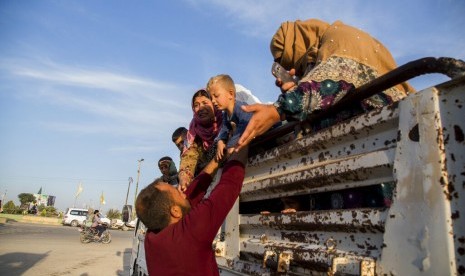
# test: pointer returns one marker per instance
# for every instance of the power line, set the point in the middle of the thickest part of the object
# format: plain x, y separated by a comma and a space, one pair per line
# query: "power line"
41, 178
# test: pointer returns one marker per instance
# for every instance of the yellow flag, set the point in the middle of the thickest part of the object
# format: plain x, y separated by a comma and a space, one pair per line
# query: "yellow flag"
79, 190
102, 199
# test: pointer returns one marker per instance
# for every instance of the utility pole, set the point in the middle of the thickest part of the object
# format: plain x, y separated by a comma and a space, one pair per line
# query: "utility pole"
127, 194
137, 186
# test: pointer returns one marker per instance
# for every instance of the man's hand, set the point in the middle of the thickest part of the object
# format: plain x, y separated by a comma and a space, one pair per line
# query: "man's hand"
241, 156
264, 117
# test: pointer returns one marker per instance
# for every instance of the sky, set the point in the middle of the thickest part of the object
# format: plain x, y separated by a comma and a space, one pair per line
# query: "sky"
88, 88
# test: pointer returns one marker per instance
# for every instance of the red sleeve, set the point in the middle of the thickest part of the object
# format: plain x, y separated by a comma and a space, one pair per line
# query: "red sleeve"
205, 220
198, 187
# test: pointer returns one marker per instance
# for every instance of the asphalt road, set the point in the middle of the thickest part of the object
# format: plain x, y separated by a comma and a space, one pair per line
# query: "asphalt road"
34, 249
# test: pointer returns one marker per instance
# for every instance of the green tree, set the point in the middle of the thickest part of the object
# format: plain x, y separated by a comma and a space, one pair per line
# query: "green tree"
51, 211
26, 198
47, 211
9, 207
113, 214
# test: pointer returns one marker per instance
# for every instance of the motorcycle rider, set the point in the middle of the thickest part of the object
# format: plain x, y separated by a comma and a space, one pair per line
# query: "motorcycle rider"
97, 223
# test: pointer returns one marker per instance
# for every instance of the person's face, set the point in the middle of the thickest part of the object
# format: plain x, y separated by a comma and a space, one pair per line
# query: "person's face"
178, 197
222, 98
203, 108
180, 142
164, 168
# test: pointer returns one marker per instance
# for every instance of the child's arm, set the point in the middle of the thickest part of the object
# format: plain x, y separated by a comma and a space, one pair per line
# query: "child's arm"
220, 150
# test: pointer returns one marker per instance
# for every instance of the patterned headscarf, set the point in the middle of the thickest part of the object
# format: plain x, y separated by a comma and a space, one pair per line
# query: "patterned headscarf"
207, 133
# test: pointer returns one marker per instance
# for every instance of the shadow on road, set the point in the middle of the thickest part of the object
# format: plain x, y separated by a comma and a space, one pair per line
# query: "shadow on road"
17, 263
126, 261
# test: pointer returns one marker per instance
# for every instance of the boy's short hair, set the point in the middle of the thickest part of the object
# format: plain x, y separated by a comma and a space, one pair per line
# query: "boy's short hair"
225, 80
153, 207
178, 132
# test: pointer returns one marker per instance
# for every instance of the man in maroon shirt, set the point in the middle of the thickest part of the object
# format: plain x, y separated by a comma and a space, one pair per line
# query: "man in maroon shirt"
182, 226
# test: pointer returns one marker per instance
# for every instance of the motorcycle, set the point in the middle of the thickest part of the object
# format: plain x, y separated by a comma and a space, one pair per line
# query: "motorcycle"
89, 234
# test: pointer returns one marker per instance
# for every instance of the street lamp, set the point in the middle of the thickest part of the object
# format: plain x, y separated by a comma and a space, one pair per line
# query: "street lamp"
137, 185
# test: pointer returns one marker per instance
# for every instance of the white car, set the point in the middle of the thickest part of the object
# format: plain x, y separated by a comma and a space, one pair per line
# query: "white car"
74, 216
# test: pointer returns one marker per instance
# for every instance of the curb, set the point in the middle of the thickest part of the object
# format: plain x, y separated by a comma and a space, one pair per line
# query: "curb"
30, 219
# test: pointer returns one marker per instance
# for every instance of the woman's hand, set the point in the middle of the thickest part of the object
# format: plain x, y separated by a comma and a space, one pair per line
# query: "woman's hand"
184, 181
263, 118
287, 85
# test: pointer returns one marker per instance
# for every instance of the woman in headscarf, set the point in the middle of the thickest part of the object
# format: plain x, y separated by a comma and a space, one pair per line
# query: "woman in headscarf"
330, 60
202, 132
203, 129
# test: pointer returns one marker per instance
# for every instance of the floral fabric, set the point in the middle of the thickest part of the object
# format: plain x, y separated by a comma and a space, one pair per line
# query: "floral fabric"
311, 96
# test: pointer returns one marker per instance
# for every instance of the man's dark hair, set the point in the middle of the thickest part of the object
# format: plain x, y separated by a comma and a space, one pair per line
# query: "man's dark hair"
95, 212
153, 207
178, 132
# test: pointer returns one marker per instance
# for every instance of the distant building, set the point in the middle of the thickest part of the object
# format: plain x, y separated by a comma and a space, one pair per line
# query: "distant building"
46, 200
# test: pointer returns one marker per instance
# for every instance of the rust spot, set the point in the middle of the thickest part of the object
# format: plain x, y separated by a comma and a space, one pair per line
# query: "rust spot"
294, 237
442, 181
461, 251
455, 215
461, 270
414, 134
321, 157
399, 136
459, 137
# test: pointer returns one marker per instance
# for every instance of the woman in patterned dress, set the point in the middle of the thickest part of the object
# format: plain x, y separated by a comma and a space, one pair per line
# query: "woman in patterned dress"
203, 129
330, 60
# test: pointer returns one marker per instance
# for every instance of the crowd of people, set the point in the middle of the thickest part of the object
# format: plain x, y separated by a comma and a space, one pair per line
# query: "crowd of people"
328, 61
